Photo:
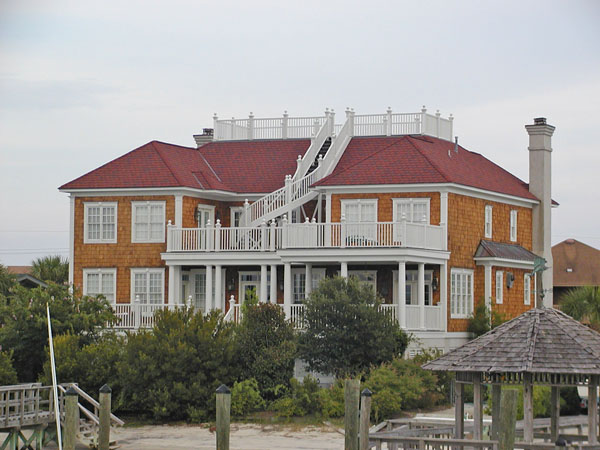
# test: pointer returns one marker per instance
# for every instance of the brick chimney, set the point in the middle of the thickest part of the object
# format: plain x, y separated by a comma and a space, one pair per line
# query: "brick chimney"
204, 138
540, 183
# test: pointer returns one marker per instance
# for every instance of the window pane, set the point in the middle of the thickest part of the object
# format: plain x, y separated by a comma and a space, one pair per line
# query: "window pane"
367, 212
200, 291
352, 212
108, 286
155, 288
94, 222
139, 287
93, 284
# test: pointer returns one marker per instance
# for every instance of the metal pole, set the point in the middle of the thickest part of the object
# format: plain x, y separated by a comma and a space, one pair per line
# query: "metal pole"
71, 418
54, 383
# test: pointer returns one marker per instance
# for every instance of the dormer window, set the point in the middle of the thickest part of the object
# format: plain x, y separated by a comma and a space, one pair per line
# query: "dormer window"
488, 221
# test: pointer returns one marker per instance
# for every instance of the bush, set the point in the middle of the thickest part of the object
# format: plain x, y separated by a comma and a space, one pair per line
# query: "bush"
401, 385
331, 400
245, 398
444, 379
8, 375
90, 365
479, 322
301, 399
267, 349
541, 401
25, 326
345, 333
173, 372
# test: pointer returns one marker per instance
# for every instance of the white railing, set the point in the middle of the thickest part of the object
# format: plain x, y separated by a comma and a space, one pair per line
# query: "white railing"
316, 144
352, 234
234, 313
138, 315
390, 310
267, 128
432, 317
297, 316
306, 235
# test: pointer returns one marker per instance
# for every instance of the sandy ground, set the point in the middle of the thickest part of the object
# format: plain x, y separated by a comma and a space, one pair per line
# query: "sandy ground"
243, 436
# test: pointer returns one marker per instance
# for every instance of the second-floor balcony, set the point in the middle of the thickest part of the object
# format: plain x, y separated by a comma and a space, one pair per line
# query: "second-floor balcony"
308, 235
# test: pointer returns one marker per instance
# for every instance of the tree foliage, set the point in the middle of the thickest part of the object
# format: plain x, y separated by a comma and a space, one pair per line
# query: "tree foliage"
267, 348
7, 281
345, 333
479, 322
172, 372
24, 328
8, 375
51, 268
583, 304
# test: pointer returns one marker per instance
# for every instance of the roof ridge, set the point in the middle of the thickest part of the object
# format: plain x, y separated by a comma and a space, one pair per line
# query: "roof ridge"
209, 166
435, 166
531, 340
164, 160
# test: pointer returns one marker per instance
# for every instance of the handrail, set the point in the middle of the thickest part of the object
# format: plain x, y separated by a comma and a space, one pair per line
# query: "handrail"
313, 149
90, 399
337, 148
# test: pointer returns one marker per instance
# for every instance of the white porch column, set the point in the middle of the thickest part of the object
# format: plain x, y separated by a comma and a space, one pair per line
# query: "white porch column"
308, 283
421, 294
263, 284
174, 285
179, 210
209, 289
273, 296
287, 289
443, 287
488, 287
72, 240
444, 217
402, 294
218, 300
344, 269
328, 220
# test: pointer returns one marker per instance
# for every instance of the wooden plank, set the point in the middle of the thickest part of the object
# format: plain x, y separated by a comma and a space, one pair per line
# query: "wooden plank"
554, 413
593, 410
223, 401
477, 407
496, 393
527, 408
506, 431
459, 411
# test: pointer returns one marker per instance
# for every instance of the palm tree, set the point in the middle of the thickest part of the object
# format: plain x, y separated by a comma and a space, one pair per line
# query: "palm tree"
51, 268
583, 304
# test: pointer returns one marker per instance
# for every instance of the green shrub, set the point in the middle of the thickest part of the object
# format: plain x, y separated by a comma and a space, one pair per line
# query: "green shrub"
331, 400
245, 398
8, 375
301, 399
345, 333
479, 322
401, 385
266, 347
172, 373
541, 401
444, 379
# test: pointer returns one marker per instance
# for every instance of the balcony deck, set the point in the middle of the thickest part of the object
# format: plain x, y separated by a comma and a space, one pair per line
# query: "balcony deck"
308, 235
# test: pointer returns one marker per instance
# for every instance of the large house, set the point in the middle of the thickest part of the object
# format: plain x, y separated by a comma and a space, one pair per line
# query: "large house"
575, 265
272, 206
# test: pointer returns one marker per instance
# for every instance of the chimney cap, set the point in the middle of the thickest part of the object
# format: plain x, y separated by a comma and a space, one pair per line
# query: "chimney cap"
539, 121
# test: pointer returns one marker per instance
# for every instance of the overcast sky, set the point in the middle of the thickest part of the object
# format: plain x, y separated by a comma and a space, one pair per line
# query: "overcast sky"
83, 82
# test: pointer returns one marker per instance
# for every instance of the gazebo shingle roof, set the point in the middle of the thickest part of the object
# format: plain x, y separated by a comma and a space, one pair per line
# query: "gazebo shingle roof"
541, 340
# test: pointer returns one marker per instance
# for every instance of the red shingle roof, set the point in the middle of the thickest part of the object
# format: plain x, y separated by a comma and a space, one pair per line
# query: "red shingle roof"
409, 160
244, 166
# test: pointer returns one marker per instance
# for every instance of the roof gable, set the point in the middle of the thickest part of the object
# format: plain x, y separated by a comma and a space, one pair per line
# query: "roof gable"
582, 260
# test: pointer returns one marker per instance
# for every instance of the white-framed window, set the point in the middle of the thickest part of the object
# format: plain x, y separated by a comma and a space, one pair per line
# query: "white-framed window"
204, 214
100, 223
513, 225
236, 213
148, 221
412, 287
415, 210
527, 289
461, 293
368, 277
149, 285
488, 221
361, 216
100, 282
299, 282
499, 287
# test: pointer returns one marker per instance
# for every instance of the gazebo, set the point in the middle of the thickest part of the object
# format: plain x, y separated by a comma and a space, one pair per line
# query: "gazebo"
542, 346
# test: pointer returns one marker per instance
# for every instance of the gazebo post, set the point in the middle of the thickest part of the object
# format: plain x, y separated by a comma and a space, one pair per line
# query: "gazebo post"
527, 408
593, 410
496, 393
554, 412
477, 407
459, 411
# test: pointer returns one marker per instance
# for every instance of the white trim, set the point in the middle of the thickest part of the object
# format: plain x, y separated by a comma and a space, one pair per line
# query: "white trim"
513, 224
499, 291
488, 221
147, 270
232, 211
86, 206
431, 187
149, 204
196, 193
457, 290
503, 262
317, 273
527, 289
72, 239
411, 201
359, 201
178, 210
100, 271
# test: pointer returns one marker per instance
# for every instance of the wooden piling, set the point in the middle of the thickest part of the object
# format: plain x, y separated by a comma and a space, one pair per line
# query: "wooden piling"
352, 399
508, 419
496, 393
71, 419
104, 427
365, 418
223, 417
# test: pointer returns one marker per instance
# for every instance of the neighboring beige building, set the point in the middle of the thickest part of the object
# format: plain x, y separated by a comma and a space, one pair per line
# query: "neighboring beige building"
575, 264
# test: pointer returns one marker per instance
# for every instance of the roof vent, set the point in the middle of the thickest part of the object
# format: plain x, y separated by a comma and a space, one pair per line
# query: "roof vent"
539, 121
205, 137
